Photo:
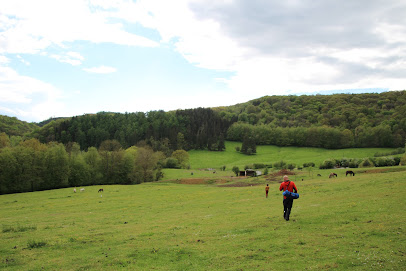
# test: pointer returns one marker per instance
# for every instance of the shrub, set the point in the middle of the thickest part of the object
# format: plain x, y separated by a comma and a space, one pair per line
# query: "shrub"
366, 163
236, 170
35, 244
280, 165
403, 160
327, 164
171, 163
258, 165
291, 166
310, 164
345, 162
353, 163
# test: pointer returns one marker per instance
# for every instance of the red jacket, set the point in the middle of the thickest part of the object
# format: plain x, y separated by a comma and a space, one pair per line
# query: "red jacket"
290, 188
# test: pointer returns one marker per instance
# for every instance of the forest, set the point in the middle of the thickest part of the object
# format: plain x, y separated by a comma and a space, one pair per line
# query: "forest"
327, 121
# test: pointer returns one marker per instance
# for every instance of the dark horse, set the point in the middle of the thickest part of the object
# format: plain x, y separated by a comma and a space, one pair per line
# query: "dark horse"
101, 190
349, 172
332, 174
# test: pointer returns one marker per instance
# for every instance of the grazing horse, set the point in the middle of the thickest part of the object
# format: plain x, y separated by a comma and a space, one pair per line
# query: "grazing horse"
349, 172
332, 174
318, 175
101, 190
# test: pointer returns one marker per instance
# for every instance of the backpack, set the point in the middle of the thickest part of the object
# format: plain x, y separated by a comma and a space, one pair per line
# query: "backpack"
289, 194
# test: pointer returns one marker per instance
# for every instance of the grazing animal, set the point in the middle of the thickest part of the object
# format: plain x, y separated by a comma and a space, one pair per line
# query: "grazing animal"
101, 190
332, 174
349, 172
82, 189
319, 175
74, 190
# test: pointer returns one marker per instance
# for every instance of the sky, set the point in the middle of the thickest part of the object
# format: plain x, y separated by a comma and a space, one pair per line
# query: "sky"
63, 58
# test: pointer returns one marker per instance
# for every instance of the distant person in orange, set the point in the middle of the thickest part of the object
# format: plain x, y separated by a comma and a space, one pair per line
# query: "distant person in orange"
287, 202
267, 190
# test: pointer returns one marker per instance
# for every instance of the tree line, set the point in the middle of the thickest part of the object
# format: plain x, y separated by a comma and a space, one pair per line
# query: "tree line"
200, 128
34, 166
327, 121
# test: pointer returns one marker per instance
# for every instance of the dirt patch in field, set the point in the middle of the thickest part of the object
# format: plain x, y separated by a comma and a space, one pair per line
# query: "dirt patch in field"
276, 176
201, 181
239, 184
381, 170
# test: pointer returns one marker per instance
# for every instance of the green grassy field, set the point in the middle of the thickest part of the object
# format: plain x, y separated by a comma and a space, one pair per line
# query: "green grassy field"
346, 223
270, 154
202, 159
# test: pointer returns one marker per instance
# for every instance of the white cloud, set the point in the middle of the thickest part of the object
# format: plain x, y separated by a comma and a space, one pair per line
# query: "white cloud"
4, 60
32, 26
101, 69
19, 95
72, 58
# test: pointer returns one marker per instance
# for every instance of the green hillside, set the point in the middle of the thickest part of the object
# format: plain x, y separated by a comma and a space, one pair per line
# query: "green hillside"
15, 127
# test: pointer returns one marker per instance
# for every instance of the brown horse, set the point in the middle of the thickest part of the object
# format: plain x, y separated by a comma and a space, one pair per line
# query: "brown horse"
349, 172
332, 174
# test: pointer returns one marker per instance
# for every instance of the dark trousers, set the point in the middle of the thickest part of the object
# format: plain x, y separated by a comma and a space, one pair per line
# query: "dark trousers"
287, 207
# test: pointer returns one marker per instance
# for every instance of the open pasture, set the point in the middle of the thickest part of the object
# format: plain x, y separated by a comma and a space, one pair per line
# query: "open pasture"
343, 223
270, 154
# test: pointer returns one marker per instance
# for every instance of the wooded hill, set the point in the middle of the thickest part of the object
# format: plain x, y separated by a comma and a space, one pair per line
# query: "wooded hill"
328, 121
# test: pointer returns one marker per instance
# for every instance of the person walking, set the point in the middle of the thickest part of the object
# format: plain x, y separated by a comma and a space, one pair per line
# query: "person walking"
287, 202
267, 190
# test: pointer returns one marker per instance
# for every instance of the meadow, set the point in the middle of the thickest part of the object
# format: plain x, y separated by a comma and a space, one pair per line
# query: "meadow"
200, 160
218, 223
343, 223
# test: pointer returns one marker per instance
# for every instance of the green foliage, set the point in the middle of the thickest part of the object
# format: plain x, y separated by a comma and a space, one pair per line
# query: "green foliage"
366, 163
394, 152
14, 127
182, 157
309, 164
171, 162
236, 170
328, 164
36, 244
280, 165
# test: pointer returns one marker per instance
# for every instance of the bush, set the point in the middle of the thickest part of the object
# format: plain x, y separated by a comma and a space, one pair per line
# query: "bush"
385, 162
310, 164
327, 164
258, 165
345, 162
353, 163
403, 160
171, 163
35, 244
291, 166
366, 163
236, 170
280, 165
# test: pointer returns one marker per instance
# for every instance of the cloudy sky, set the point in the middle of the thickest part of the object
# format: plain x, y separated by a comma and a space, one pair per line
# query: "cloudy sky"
61, 58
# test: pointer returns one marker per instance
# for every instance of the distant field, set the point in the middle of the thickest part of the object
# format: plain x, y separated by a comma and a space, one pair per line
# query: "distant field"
346, 223
271, 154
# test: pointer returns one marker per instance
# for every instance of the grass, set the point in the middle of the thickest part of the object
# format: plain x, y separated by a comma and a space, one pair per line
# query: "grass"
270, 154
343, 223
200, 160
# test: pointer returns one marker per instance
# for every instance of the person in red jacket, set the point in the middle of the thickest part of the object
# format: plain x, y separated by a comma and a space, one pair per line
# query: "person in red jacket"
287, 202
